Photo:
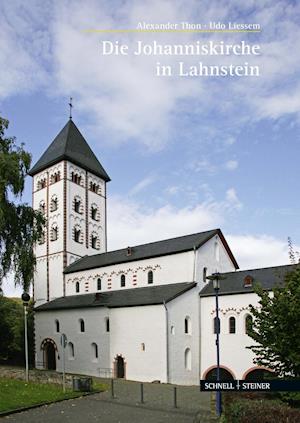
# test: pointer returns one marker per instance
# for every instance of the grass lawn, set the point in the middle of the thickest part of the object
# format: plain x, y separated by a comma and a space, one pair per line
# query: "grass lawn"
17, 393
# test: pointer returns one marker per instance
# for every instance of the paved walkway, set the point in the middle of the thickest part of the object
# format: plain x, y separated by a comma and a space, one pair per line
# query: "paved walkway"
125, 407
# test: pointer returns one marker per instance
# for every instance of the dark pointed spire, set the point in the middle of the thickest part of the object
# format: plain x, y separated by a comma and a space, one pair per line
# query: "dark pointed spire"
70, 145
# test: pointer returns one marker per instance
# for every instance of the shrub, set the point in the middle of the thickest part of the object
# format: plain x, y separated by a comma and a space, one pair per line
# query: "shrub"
260, 411
292, 398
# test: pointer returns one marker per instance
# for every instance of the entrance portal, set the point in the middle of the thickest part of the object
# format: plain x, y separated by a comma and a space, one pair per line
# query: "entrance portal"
120, 367
50, 362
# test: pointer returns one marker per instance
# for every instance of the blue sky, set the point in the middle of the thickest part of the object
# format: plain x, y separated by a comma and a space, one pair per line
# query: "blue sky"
184, 154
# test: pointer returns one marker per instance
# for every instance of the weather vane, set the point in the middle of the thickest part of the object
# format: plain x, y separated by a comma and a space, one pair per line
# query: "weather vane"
71, 105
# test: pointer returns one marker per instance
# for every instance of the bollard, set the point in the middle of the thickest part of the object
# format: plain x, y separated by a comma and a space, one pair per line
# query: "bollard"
142, 393
175, 397
112, 389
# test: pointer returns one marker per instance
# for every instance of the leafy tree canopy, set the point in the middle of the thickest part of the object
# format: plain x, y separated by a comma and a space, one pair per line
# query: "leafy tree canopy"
20, 225
276, 327
12, 331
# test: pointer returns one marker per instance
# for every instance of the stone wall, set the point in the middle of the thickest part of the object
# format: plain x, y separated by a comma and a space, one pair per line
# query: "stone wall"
40, 376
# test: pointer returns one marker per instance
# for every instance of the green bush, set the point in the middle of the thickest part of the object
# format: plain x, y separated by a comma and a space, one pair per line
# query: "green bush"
12, 331
260, 411
292, 398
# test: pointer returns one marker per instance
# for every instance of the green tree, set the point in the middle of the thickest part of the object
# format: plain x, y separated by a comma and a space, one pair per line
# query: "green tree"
12, 331
276, 327
20, 225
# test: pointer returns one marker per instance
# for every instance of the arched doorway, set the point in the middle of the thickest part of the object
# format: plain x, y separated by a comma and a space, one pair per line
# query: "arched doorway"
50, 357
224, 375
260, 374
49, 348
120, 368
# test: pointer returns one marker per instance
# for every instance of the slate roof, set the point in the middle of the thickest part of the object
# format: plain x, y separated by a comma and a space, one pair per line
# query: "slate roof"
70, 145
268, 278
145, 251
121, 298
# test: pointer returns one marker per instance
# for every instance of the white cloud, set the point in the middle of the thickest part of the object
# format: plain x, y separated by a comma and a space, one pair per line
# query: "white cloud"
130, 224
140, 186
172, 190
24, 49
120, 95
233, 200
231, 165
253, 251
9, 288
204, 165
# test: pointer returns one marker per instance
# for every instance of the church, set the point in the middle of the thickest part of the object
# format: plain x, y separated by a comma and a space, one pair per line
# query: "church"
145, 312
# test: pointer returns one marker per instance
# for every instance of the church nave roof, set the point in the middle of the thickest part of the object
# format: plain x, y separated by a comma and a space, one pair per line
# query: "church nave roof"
131, 297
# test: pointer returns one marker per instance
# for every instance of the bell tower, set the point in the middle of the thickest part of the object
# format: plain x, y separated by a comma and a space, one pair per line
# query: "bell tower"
69, 188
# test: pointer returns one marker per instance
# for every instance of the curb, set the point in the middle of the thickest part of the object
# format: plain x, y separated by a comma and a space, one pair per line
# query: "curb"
41, 404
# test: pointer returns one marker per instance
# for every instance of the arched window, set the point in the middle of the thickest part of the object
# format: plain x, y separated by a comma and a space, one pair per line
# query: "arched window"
172, 330
107, 324
150, 277
94, 351
54, 232
78, 236
81, 325
76, 178
187, 359
123, 280
187, 325
55, 177
260, 374
99, 284
71, 350
57, 326
217, 325
53, 203
224, 374
42, 207
94, 187
78, 207
77, 286
248, 323
41, 184
94, 212
217, 251
204, 274
231, 324
42, 238
143, 347
95, 242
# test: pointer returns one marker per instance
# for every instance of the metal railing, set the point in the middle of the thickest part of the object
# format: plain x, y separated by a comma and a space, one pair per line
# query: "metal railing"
106, 372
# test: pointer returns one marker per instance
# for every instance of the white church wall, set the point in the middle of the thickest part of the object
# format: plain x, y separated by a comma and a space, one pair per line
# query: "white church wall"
233, 353
130, 327
212, 260
75, 218
99, 225
55, 217
84, 360
173, 268
39, 197
51, 246
185, 306
83, 219
56, 288
40, 281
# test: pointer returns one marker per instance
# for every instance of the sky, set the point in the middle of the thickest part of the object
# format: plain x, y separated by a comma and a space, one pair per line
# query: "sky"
185, 154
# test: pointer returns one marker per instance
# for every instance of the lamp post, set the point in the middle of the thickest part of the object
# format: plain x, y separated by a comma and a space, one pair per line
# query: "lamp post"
215, 278
25, 299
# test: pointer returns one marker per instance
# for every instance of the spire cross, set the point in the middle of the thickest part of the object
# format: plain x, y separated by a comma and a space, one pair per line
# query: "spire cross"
71, 105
